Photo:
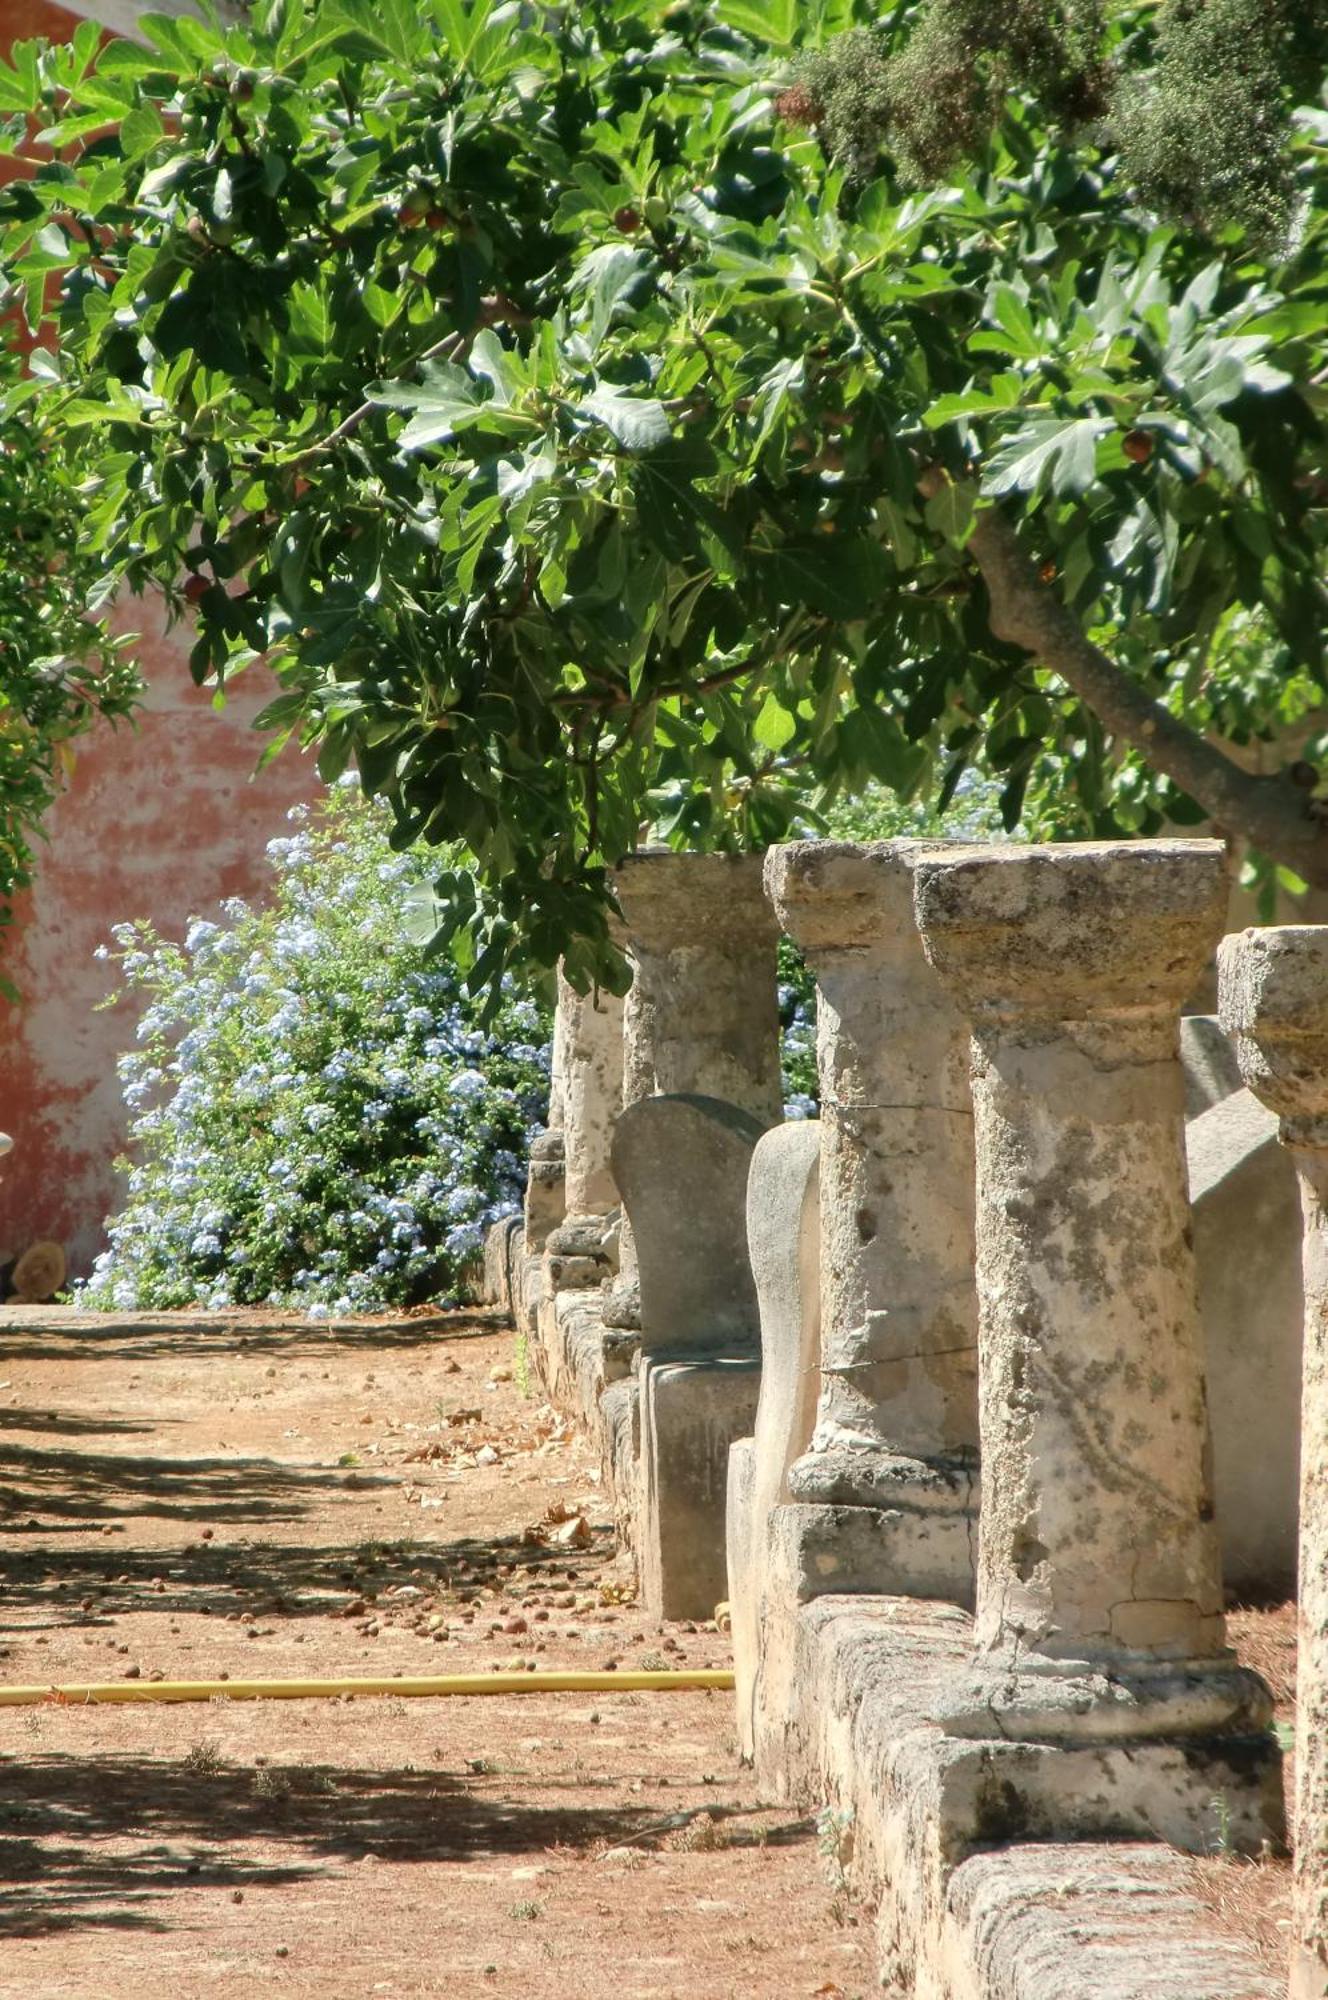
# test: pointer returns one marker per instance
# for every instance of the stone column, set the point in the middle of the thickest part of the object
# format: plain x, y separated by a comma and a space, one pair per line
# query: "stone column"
899, 1312
1099, 1594
545, 1204
896, 1427
702, 1016
1274, 998
592, 1062
783, 1236
701, 1024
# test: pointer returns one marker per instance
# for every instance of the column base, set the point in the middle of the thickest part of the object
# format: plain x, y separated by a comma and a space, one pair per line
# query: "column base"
1203, 1795
575, 1274
874, 1476
544, 1188
581, 1252
880, 1551
1076, 1703
874, 1520
622, 1304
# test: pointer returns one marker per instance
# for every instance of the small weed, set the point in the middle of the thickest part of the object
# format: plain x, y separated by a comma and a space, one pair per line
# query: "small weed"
349, 1458
273, 1784
654, 1663
526, 1912
1285, 1732
203, 1760
834, 1844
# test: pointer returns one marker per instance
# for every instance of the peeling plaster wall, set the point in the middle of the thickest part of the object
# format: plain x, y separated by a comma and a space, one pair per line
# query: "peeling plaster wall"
160, 821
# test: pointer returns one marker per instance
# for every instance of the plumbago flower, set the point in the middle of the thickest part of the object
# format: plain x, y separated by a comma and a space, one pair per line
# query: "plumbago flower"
319, 1119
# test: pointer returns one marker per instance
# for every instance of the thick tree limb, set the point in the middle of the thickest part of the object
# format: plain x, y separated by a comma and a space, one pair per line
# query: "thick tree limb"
1272, 813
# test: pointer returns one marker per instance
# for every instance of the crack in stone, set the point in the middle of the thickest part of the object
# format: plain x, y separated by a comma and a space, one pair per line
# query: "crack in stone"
887, 1360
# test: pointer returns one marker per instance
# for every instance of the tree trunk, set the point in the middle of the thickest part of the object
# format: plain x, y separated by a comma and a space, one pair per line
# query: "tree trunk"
1272, 813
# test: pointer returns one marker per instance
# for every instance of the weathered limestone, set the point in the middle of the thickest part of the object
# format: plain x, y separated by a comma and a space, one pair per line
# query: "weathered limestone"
783, 1238
682, 1164
1245, 1204
990, 1890
896, 1427
545, 1201
701, 1017
581, 1246
545, 1204
1274, 997
500, 1272
1099, 1593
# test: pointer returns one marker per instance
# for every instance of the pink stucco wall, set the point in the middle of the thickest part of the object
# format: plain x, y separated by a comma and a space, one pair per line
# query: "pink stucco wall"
160, 821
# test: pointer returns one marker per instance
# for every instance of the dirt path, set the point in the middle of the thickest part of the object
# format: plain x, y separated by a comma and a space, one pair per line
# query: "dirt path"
189, 1501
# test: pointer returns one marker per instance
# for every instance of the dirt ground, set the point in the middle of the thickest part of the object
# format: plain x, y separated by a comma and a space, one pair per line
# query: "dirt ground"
1251, 1899
185, 1499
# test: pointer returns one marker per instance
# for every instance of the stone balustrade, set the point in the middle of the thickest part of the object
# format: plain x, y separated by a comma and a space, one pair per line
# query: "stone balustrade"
701, 1029
701, 1016
581, 1245
978, 1261
896, 1424
784, 1245
1274, 998
1099, 1591
545, 1196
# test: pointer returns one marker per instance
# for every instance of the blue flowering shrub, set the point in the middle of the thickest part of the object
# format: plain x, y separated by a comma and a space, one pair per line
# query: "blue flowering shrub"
797, 1033
319, 1118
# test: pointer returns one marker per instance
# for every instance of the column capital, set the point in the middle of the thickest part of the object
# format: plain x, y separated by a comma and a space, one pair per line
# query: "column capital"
835, 896
1073, 932
1273, 997
669, 899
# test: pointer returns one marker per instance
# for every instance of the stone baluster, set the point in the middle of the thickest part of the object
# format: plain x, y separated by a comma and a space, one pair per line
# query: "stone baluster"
701, 1017
1099, 1592
896, 1429
580, 1247
545, 1203
1274, 998
783, 1236
701, 1030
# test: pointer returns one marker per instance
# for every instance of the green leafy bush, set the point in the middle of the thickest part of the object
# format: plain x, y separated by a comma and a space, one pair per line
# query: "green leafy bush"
58, 668
581, 447
320, 1118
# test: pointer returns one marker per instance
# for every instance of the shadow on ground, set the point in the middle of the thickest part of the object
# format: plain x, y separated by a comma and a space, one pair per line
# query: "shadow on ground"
65, 1424
25, 1335
85, 1487
108, 1840
292, 1580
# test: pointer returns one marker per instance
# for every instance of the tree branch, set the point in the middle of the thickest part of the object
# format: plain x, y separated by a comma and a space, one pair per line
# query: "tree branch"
1271, 812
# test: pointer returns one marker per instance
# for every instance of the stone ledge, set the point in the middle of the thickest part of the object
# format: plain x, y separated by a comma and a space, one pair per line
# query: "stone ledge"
1055, 1920
1098, 1922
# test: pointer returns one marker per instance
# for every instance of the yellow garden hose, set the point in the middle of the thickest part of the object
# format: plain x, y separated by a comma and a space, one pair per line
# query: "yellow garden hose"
86, 1693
